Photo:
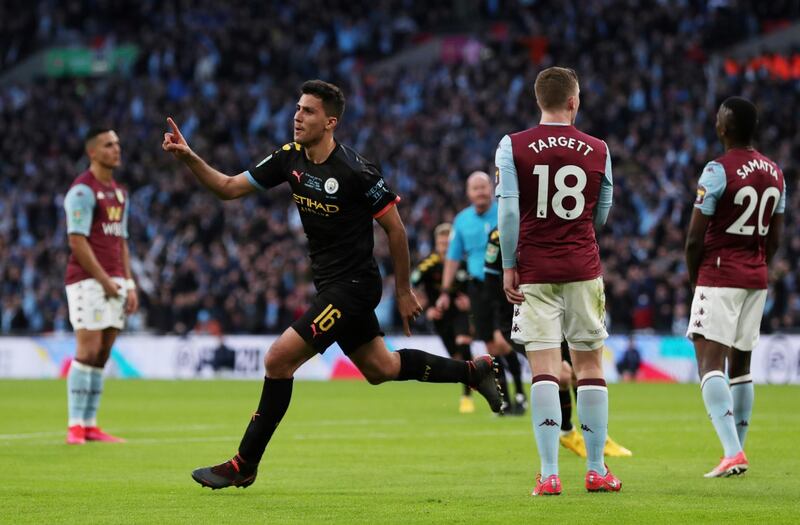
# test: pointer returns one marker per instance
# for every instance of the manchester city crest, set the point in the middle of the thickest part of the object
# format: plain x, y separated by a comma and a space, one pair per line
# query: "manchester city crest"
331, 185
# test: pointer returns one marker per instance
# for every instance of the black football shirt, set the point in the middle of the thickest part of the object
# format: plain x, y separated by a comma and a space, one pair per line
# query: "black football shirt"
337, 201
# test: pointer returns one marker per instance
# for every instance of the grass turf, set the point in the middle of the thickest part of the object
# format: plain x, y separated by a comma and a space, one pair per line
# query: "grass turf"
351, 453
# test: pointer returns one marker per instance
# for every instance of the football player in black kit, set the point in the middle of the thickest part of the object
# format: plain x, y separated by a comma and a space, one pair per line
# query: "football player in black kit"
452, 325
338, 194
501, 312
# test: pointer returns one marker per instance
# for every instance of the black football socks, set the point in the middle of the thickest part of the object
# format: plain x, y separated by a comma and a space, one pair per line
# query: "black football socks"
417, 365
515, 370
275, 397
565, 397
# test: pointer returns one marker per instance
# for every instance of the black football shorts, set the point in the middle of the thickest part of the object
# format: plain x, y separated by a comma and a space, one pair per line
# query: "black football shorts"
342, 312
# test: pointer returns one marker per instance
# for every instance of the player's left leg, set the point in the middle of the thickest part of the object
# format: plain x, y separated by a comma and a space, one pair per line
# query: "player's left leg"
742, 391
281, 361
93, 432
747, 335
379, 365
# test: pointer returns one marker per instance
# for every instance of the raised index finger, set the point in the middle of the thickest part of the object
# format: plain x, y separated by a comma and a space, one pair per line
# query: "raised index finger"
174, 127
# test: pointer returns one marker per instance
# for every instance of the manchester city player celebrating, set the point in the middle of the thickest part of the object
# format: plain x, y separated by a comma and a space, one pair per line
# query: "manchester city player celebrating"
338, 193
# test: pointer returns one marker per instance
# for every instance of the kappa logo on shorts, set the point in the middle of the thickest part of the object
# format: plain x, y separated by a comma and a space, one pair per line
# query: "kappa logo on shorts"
586, 428
548, 423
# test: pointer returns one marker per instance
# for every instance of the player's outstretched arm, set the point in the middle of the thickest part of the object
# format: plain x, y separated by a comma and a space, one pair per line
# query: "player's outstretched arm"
695, 243
407, 303
223, 186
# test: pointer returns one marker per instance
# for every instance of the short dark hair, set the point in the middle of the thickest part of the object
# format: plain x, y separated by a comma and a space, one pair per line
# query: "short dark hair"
554, 86
742, 122
331, 96
93, 132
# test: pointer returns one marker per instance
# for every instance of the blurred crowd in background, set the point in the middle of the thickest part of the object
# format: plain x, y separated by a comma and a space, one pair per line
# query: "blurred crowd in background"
229, 74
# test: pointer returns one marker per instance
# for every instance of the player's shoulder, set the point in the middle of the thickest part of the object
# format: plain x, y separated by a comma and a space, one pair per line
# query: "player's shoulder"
285, 153
769, 161
351, 159
514, 136
84, 178
596, 142
290, 148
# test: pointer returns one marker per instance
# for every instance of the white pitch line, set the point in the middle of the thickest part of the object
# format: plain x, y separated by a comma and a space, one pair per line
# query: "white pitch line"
182, 428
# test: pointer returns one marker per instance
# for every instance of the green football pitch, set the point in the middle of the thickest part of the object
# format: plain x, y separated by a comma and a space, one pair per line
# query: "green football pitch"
398, 453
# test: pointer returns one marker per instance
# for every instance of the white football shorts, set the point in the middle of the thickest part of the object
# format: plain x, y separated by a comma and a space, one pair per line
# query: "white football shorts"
90, 309
729, 316
573, 311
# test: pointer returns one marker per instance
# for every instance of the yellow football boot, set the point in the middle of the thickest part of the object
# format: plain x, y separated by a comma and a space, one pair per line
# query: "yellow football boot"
615, 450
573, 440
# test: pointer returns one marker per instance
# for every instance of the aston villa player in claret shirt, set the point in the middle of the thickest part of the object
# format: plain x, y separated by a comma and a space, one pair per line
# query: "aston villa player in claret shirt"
100, 286
338, 194
734, 232
555, 187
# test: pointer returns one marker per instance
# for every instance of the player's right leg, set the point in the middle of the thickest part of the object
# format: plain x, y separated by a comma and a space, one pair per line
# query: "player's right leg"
379, 365
712, 328
79, 382
584, 330
445, 329
281, 361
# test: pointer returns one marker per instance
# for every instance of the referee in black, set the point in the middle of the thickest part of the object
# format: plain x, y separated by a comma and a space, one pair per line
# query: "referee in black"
338, 194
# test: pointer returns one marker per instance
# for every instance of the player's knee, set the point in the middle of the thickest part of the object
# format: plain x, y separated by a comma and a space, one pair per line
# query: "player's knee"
276, 364
376, 378
565, 378
739, 364
379, 372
